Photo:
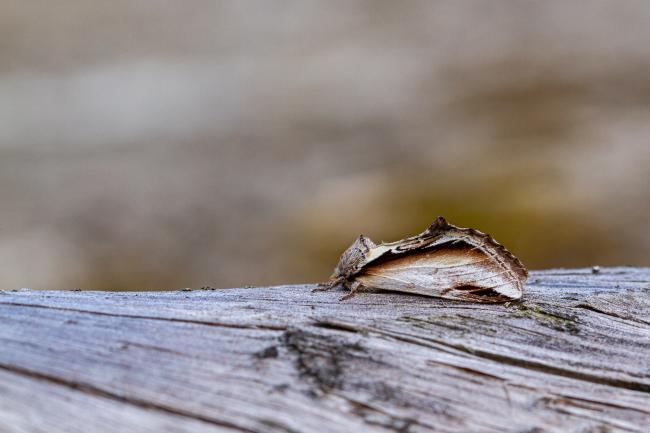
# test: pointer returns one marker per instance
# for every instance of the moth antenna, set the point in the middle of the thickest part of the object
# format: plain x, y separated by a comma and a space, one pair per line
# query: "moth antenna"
322, 287
329, 285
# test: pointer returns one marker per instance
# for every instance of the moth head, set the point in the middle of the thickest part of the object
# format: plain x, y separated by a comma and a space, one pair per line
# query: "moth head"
353, 258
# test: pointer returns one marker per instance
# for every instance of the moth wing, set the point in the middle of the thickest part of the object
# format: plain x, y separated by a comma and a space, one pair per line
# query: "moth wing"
453, 271
436, 233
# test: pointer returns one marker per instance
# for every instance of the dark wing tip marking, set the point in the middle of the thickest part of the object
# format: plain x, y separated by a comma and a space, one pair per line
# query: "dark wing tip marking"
440, 224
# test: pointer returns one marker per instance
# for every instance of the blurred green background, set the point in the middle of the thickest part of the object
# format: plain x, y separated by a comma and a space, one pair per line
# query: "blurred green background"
160, 144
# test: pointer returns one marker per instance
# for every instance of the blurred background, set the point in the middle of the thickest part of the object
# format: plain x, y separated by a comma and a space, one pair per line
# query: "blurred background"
166, 144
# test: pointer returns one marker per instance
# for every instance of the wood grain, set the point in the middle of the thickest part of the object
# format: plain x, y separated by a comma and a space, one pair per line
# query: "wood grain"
573, 356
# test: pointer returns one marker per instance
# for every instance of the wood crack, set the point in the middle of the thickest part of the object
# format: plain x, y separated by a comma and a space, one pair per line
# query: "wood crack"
523, 363
96, 391
586, 306
142, 317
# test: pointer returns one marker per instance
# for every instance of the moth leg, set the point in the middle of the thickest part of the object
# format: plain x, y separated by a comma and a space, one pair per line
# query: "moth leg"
354, 288
323, 287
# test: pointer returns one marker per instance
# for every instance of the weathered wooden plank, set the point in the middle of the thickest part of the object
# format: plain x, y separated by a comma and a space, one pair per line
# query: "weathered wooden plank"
33, 405
574, 355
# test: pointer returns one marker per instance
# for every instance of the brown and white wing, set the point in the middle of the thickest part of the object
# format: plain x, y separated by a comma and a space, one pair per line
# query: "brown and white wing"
455, 270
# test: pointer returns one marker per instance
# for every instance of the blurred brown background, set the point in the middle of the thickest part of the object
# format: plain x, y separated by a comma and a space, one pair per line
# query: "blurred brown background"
164, 144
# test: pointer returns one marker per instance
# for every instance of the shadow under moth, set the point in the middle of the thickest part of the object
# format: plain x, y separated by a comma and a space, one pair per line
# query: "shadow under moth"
443, 261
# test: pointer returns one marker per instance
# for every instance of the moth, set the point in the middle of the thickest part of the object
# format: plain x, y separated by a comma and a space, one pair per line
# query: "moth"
443, 261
